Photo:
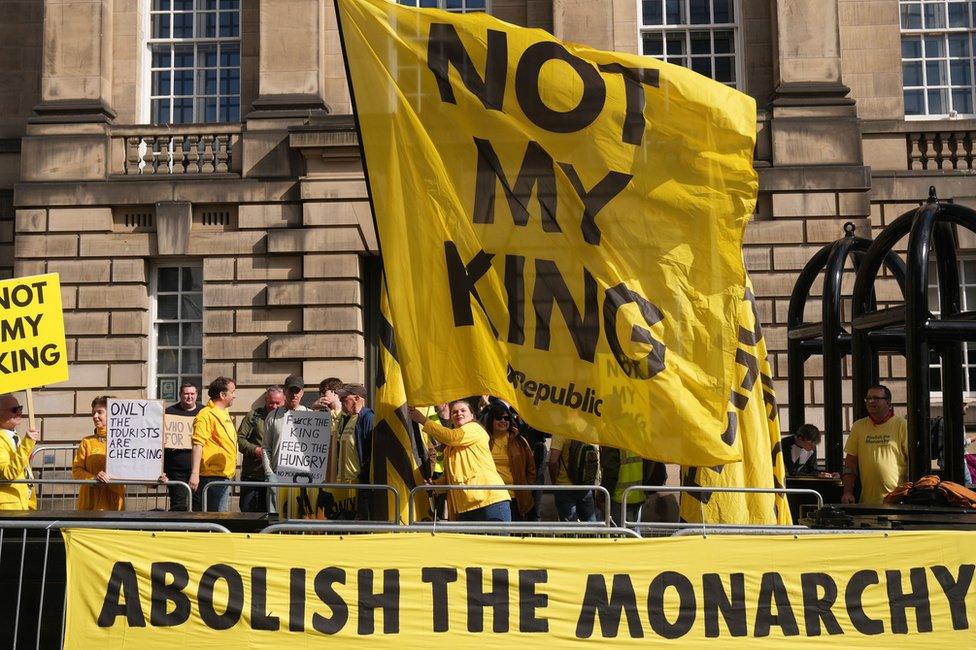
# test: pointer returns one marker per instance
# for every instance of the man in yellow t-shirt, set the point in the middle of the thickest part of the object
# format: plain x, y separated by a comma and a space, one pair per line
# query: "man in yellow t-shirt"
877, 450
214, 447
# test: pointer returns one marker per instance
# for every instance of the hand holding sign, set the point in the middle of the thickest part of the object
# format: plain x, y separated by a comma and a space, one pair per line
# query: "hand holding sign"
303, 448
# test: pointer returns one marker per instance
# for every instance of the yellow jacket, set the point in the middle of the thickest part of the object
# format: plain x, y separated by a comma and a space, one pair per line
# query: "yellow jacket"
467, 461
213, 429
89, 461
13, 463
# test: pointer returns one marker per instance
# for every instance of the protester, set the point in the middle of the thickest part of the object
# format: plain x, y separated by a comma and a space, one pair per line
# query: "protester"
800, 451
355, 436
250, 435
467, 461
877, 450
513, 458
15, 457
620, 469
177, 463
329, 397
275, 424
89, 464
214, 447
565, 458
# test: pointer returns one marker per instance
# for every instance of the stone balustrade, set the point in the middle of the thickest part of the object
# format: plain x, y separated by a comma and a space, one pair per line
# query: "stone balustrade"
175, 150
940, 149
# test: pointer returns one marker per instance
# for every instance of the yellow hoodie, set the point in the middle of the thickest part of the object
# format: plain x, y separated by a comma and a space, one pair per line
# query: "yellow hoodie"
89, 461
213, 429
467, 461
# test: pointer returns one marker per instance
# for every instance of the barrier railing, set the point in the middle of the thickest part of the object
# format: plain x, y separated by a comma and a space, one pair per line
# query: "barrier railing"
702, 526
53, 458
534, 528
515, 488
283, 484
63, 497
15, 630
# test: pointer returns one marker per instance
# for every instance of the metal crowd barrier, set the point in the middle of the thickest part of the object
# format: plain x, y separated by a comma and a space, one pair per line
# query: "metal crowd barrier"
325, 486
532, 488
55, 458
38, 586
671, 527
533, 528
66, 497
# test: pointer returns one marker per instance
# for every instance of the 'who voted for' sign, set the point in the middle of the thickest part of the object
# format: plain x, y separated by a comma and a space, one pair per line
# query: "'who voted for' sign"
303, 448
32, 348
134, 445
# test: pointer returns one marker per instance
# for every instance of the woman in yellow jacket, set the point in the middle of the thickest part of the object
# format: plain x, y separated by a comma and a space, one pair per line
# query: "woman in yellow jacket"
89, 464
468, 461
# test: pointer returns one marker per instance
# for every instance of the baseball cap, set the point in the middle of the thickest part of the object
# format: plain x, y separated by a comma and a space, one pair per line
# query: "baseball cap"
294, 381
354, 389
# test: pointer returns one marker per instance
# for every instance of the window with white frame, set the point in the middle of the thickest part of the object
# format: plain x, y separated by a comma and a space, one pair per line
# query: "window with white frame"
967, 302
195, 61
177, 328
937, 40
696, 34
456, 6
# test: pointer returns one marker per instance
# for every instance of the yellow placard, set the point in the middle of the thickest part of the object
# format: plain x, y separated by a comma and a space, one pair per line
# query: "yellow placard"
560, 226
129, 589
32, 348
177, 432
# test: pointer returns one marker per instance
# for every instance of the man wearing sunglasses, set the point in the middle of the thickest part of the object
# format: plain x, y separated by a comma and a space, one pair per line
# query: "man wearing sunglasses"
15, 457
877, 450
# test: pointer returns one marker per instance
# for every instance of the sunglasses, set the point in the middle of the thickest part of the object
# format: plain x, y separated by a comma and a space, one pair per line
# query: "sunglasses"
504, 417
16, 410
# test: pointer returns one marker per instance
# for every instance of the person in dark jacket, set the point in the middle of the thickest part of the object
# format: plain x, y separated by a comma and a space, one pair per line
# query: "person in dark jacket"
800, 451
177, 462
250, 435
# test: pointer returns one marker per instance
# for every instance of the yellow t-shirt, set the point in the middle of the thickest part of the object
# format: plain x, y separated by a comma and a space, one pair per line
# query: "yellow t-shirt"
348, 456
499, 452
558, 443
882, 456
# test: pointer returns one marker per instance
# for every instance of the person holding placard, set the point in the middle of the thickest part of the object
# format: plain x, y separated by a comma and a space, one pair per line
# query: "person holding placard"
275, 424
176, 462
214, 447
89, 463
15, 457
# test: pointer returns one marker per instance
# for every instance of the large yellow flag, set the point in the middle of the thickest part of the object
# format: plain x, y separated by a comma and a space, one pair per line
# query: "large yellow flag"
753, 423
574, 220
397, 454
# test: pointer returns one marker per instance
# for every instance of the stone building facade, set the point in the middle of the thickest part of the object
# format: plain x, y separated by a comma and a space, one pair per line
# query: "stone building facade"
191, 169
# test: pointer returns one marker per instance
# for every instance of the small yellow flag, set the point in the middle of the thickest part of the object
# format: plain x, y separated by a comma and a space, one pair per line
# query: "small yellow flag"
560, 226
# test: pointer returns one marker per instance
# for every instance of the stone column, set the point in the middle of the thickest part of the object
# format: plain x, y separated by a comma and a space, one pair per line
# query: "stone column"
76, 77
290, 59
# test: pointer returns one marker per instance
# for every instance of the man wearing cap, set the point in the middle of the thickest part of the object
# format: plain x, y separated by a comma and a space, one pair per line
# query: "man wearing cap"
355, 437
275, 423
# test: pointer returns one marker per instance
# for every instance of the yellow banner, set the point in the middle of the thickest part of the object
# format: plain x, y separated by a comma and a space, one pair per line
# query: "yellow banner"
143, 590
32, 348
560, 226
753, 424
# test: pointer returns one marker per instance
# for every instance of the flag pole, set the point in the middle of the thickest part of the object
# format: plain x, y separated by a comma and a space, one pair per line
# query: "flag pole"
30, 409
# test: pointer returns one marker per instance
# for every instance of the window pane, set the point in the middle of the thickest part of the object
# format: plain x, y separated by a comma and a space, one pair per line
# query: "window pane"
958, 14
701, 42
674, 10
230, 110
160, 5
183, 111
653, 44
183, 82
192, 334
183, 25
911, 16
912, 73
960, 73
168, 279
208, 82
183, 5
676, 44
167, 307
229, 24
959, 45
934, 47
933, 15
652, 12
161, 81
911, 48
230, 56
192, 306
192, 278
722, 9
192, 360
724, 41
169, 335
724, 69
160, 26
183, 56
167, 362
230, 82
160, 111
935, 73
699, 12
914, 103
702, 65
208, 108
938, 102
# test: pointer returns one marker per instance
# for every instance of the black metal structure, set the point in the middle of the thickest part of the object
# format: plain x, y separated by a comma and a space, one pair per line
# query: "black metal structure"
828, 338
913, 330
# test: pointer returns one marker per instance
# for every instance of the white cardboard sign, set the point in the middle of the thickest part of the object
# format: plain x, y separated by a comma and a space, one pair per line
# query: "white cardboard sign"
303, 447
134, 445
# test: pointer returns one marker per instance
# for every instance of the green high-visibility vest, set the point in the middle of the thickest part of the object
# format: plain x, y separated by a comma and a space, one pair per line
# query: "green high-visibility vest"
631, 473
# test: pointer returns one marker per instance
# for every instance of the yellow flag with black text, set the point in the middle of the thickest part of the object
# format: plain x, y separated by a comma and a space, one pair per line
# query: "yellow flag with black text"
753, 424
560, 226
397, 453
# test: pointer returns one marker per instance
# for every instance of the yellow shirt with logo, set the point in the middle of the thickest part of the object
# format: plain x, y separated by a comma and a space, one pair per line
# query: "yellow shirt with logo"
882, 456
213, 429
